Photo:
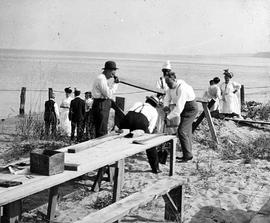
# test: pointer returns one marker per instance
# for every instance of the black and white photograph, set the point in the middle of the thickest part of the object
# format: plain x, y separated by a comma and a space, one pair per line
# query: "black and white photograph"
134, 111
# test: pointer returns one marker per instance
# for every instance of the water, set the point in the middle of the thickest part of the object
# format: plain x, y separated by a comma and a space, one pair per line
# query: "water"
37, 70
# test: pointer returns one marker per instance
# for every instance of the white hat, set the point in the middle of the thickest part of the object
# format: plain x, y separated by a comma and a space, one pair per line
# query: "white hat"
167, 65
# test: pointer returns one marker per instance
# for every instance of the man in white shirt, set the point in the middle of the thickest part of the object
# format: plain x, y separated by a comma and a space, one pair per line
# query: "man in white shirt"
102, 95
144, 116
182, 95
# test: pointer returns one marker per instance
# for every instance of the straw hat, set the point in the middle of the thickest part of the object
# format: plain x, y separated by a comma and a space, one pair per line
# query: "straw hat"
167, 65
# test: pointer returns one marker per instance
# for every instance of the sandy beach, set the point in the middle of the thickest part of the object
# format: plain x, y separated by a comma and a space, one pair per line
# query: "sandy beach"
223, 184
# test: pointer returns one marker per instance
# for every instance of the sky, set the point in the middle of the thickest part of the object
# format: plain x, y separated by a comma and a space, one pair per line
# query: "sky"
137, 26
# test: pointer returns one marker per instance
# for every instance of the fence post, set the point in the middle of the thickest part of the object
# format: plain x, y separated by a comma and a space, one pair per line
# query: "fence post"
22, 101
50, 93
242, 96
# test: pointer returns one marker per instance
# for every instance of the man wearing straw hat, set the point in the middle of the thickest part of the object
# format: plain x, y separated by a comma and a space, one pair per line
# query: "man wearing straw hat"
102, 95
161, 84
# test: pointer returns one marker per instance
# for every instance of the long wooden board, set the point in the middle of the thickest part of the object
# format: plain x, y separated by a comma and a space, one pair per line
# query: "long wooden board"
123, 207
248, 121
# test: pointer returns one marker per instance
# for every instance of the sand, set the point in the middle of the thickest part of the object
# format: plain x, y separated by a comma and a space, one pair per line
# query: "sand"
217, 190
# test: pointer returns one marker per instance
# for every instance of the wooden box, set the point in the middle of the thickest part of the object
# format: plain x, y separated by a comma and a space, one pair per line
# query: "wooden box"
46, 162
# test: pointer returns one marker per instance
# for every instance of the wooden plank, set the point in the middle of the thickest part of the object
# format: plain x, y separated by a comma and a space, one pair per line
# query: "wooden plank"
72, 166
92, 143
88, 159
247, 121
202, 115
124, 206
12, 212
52, 203
146, 140
210, 122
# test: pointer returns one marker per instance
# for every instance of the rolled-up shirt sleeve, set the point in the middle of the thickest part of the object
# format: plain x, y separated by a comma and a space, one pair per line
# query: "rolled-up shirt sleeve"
180, 103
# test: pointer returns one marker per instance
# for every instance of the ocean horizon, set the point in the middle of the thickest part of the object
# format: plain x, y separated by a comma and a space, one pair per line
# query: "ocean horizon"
39, 70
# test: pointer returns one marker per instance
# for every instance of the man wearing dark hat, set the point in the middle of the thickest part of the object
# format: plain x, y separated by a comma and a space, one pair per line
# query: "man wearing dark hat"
102, 94
51, 116
76, 115
144, 116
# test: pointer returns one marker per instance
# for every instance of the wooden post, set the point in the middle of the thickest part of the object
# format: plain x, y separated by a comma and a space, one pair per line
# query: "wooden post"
210, 122
120, 103
22, 102
174, 207
202, 115
242, 95
52, 203
172, 156
118, 182
50, 92
12, 212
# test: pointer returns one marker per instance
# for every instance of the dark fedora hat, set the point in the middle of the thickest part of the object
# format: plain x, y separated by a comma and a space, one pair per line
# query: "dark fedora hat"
154, 100
110, 65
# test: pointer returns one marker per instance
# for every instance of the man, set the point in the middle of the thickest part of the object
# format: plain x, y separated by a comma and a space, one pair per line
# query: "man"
51, 116
102, 94
181, 94
161, 84
88, 120
144, 116
76, 115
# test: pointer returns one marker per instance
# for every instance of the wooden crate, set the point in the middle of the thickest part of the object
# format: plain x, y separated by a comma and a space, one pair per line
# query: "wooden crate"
46, 162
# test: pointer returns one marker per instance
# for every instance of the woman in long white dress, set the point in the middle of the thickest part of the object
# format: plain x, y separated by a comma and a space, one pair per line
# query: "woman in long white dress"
65, 123
230, 101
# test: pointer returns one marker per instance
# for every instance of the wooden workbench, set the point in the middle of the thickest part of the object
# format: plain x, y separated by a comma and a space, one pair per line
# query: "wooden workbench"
105, 153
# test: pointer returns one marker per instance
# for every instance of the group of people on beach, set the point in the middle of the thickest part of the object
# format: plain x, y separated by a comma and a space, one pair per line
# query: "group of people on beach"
225, 95
175, 104
73, 117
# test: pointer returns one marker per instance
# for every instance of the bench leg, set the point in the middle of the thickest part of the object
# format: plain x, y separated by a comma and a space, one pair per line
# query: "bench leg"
53, 195
118, 181
97, 183
172, 150
174, 207
12, 212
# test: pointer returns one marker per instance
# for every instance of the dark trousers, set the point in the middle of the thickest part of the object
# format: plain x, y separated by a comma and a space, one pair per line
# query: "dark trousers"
50, 125
133, 121
79, 126
185, 127
88, 125
101, 112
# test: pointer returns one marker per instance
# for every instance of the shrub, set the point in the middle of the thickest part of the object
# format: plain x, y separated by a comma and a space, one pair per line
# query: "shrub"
30, 126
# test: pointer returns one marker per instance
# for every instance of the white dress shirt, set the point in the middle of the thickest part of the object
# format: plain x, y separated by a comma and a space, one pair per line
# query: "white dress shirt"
101, 88
88, 104
178, 96
148, 111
